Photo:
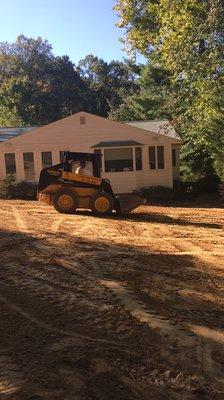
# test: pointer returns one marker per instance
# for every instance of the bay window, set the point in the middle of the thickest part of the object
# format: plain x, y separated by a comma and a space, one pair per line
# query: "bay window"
118, 159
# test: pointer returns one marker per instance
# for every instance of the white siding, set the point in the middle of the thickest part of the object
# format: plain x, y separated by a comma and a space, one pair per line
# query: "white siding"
68, 134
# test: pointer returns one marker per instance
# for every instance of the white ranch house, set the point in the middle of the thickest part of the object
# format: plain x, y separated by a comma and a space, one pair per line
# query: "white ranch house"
134, 154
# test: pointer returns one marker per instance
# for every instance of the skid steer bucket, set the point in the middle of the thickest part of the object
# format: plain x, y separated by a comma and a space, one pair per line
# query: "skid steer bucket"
128, 203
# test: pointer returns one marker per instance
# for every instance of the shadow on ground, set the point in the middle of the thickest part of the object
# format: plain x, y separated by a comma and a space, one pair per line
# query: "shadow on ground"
68, 336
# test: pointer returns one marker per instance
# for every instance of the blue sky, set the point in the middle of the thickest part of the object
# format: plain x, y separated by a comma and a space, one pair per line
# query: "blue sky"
73, 27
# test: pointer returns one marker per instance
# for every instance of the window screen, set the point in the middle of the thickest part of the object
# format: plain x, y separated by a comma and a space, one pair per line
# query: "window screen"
28, 161
174, 158
46, 159
10, 164
138, 158
120, 159
152, 157
160, 157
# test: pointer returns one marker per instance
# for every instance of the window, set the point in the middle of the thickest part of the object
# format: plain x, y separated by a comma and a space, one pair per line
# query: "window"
61, 155
152, 157
174, 157
138, 158
28, 161
46, 159
156, 157
82, 120
98, 151
160, 157
120, 159
10, 164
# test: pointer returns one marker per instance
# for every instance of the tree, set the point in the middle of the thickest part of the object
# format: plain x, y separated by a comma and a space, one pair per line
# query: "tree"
152, 99
108, 83
187, 39
35, 86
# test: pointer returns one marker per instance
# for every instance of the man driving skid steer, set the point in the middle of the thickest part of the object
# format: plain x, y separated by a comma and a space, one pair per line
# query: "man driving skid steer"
68, 190
83, 170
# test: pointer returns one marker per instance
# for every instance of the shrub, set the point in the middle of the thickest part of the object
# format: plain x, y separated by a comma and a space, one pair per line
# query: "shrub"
9, 189
182, 189
207, 184
25, 190
156, 193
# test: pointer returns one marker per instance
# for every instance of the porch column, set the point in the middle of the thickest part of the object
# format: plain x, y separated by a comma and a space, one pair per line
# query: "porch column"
37, 164
55, 157
2, 166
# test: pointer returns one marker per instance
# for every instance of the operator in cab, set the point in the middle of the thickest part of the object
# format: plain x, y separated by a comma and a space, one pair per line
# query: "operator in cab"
83, 170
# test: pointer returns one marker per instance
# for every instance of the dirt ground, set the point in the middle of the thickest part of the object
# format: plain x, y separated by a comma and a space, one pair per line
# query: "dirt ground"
117, 308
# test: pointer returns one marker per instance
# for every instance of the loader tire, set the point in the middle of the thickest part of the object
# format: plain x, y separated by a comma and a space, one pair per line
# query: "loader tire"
102, 203
65, 201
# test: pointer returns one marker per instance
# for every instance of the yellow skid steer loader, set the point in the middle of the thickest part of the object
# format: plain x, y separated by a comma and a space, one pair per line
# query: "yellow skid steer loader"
67, 190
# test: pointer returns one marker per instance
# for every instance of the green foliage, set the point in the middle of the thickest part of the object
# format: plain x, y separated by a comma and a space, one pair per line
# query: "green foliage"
108, 83
9, 189
151, 101
37, 88
187, 40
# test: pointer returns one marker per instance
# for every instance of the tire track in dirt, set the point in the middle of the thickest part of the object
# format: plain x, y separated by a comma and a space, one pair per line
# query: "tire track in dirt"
205, 256
43, 280
55, 227
21, 224
181, 336
48, 327
186, 336
11, 376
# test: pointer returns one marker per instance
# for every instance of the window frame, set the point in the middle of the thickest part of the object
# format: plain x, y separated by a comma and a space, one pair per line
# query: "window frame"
27, 178
46, 165
163, 157
102, 150
157, 168
155, 156
118, 148
174, 157
140, 168
15, 169
82, 120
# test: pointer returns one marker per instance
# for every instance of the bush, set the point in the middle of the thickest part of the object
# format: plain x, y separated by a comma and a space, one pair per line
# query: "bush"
156, 193
9, 189
182, 189
207, 184
25, 191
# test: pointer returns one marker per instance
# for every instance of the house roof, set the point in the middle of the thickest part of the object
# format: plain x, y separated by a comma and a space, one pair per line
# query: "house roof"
10, 133
117, 144
162, 127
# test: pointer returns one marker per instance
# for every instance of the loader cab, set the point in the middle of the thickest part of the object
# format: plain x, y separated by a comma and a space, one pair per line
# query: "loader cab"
61, 186
72, 161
